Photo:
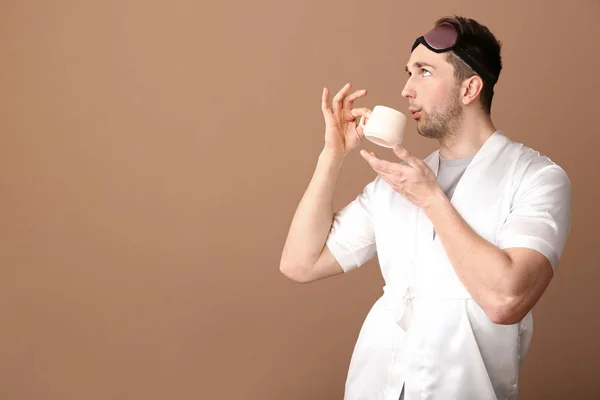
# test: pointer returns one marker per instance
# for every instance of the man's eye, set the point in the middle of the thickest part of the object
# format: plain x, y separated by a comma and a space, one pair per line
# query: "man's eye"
426, 72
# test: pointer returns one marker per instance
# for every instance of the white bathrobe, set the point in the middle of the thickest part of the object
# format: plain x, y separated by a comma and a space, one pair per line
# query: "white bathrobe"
426, 332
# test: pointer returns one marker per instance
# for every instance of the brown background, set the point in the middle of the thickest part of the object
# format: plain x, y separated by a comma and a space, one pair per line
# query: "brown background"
153, 154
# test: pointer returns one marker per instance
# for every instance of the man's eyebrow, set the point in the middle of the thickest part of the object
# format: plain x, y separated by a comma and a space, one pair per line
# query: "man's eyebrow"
421, 65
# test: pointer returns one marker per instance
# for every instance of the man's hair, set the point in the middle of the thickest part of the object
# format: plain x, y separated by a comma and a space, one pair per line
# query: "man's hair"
482, 46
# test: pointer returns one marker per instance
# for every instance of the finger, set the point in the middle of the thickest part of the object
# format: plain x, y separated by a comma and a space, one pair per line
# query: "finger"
325, 101
339, 98
377, 164
391, 179
359, 112
385, 177
351, 98
364, 113
403, 154
325, 107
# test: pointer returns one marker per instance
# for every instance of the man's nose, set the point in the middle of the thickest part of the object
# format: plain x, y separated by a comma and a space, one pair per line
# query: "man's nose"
408, 90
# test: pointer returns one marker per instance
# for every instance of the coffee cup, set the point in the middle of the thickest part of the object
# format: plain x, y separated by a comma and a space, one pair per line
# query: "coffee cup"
384, 126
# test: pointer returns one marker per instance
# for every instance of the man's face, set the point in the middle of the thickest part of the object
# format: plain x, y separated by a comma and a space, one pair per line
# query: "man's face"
433, 94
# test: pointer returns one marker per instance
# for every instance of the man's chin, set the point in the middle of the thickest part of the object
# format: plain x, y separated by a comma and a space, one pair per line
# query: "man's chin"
427, 134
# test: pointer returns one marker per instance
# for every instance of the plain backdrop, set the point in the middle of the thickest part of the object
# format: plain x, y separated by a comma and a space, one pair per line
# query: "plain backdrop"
153, 154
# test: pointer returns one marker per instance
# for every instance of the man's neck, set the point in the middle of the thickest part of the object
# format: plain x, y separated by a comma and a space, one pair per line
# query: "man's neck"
472, 134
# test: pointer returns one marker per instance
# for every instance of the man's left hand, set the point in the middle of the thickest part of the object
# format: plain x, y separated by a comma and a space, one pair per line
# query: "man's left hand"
413, 179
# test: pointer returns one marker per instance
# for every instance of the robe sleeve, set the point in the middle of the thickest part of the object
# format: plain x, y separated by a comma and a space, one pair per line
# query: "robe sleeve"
540, 216
352, 237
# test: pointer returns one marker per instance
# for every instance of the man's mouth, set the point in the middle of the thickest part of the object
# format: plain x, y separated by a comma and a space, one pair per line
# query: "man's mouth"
415, 113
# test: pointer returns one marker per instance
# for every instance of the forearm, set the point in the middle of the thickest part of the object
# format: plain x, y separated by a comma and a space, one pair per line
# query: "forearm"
314, 215
484, 269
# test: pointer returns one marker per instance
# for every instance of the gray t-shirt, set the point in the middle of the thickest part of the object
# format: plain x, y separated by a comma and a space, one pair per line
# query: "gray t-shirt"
449, 173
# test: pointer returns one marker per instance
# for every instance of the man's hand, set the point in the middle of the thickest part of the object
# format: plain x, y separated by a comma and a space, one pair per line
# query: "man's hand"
342, 132
413, 179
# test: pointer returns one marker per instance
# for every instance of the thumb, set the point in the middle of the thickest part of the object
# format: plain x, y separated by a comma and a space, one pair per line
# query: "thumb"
404, 155
359, 112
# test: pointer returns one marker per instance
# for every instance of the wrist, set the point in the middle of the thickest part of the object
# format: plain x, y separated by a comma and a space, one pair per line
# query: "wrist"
328, 154
436, 202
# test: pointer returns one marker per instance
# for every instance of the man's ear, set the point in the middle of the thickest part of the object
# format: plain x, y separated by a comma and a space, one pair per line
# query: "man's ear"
471, 88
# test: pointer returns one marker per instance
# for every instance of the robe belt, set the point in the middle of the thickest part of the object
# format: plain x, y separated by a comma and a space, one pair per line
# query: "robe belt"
399, 298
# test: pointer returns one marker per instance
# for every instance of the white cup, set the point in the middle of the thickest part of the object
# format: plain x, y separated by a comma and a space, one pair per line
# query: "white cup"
385, 126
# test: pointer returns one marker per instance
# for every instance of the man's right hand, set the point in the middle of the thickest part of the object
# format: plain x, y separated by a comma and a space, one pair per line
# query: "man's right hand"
342, 132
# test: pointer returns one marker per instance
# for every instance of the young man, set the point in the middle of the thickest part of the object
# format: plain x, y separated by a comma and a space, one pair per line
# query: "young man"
467, 239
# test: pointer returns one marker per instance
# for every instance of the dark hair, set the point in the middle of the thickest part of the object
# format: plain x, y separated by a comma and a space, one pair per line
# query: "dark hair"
482, 46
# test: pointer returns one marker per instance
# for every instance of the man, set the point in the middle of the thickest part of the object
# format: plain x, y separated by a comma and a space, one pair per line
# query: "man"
467, 239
